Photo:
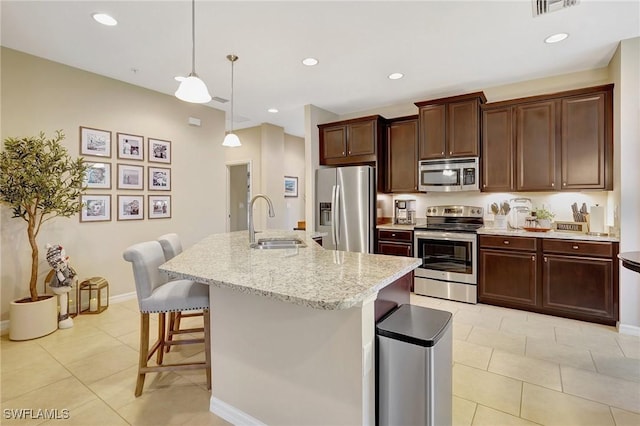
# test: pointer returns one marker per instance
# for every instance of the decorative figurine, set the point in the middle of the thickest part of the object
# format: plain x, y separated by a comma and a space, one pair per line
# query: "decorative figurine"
61, 282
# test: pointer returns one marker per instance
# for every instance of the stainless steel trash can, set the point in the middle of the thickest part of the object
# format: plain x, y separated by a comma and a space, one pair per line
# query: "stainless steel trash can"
414, 367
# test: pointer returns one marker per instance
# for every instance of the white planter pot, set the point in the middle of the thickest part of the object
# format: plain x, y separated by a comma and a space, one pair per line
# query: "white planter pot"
544, 223
31, 320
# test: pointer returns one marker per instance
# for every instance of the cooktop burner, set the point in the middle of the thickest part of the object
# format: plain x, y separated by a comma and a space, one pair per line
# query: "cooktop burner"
453, 219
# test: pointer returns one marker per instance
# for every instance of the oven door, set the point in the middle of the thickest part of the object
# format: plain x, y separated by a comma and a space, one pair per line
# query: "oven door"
446, 256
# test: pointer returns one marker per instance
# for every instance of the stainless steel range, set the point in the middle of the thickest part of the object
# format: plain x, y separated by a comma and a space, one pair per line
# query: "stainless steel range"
447, 245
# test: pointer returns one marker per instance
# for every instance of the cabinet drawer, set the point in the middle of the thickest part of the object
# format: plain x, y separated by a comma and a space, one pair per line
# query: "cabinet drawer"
388, 234
395, 249
504, 242
578, 247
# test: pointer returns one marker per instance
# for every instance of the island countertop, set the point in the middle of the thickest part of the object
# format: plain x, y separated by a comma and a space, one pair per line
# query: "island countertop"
310, 276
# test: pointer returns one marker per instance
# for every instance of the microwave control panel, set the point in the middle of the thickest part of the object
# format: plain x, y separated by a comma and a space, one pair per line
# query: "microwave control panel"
469, 176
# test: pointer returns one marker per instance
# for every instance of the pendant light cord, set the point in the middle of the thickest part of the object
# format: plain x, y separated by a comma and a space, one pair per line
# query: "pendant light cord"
232, 95
193, 37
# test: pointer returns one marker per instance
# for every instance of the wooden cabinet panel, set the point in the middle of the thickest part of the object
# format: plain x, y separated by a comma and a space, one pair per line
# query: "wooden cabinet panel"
536, 146
361, 138
432, 132
395, 235
498, 151
402, 156
395, 249
508, 276
463, 129
583, 142
578, 248
505, 242
395, 242
578, 285
333, 142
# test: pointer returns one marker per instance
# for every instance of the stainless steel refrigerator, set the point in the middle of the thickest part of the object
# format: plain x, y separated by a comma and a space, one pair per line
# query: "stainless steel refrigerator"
345, 207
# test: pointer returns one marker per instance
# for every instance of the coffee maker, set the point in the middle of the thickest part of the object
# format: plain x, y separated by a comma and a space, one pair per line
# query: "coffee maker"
405, 212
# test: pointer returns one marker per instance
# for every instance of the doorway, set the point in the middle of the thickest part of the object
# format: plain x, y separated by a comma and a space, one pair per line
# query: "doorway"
238, 195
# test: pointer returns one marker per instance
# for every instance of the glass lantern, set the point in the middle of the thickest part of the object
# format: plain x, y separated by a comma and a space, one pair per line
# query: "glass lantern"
94, 295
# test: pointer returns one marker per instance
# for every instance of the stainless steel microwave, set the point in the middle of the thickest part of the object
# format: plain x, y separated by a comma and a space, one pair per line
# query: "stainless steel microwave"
448, 175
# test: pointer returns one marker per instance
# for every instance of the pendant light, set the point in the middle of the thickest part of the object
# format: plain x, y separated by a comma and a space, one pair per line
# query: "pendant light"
231, 139
192, 89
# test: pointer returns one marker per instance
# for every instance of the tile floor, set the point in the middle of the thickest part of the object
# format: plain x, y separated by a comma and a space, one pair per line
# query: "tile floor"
510, 368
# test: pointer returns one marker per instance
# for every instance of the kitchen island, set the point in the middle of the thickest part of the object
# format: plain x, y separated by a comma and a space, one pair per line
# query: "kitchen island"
292, 330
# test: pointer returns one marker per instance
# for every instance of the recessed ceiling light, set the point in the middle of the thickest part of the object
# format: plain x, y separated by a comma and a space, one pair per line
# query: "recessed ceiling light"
273, 110
104, 19
395, 76
310, 62
556, 38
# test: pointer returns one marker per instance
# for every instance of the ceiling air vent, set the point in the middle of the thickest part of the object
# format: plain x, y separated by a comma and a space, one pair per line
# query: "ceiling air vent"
542, 7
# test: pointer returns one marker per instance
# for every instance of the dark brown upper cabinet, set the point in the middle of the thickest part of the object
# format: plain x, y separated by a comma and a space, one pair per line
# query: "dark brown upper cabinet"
355, 141
402, 155
561, 141
450, 127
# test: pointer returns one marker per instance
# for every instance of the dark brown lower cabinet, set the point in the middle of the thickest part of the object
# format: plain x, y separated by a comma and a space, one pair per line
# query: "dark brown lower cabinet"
508, 277
568, 278
395, 242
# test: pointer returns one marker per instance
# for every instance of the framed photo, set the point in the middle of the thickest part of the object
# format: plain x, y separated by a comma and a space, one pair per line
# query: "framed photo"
159, 206
159, 151
130, 207
130, 147
290, 186
159, 179
98, 176
95, 142
95, 208
130, 176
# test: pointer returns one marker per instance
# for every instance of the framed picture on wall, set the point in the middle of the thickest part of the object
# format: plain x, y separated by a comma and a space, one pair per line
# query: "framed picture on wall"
98, 176
290, 186
95, 208
130, 176
159, 206
130, 207
159, 179
159, 151
95, 142
130, 147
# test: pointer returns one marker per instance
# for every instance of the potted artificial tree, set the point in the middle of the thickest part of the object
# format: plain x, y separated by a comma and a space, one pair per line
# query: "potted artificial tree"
38, 181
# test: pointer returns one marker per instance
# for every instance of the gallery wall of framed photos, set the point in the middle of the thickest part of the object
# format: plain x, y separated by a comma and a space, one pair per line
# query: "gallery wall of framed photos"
140, 175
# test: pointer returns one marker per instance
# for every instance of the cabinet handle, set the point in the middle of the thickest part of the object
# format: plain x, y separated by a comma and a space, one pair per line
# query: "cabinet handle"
564, 183
553, 184
576, 247
349, 152
506, 242
484, 185
442, 153
450, 152
393, 235
545, 259
343, 153
533, 258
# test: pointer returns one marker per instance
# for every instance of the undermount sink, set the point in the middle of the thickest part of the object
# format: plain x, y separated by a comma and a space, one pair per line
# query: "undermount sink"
278, 243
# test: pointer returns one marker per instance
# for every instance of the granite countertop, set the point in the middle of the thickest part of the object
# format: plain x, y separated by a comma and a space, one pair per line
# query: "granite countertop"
309, 276
550, 234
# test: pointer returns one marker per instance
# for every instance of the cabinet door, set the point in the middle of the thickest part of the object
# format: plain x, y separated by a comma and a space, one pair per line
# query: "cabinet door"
361, 138
583, 142
582, 285
432, 131
395, 249
402, 156
536, 146
497, 150
462, 129
333, 143
507, 278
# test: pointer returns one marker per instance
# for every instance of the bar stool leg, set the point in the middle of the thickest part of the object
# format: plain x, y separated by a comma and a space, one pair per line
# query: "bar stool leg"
207, 346
144, 352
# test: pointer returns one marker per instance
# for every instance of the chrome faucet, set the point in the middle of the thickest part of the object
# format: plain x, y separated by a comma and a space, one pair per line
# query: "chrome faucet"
252, 232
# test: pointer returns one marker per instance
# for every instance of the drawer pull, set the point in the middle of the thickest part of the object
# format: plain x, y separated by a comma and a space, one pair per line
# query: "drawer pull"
545, 259
393, 235
533, 258
575, 247
506, 242
553, 184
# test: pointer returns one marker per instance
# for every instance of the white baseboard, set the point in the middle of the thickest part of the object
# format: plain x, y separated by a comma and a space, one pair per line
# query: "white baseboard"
4, 325
232, 414
632, 330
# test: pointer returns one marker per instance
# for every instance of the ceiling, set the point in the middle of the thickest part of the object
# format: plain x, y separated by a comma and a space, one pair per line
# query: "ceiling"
442, 47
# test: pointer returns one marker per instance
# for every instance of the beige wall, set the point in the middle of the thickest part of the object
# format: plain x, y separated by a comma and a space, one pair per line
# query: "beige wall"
273, 154
39, 95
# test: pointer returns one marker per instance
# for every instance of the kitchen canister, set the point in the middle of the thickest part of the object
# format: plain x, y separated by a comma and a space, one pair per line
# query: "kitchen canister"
596, 220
